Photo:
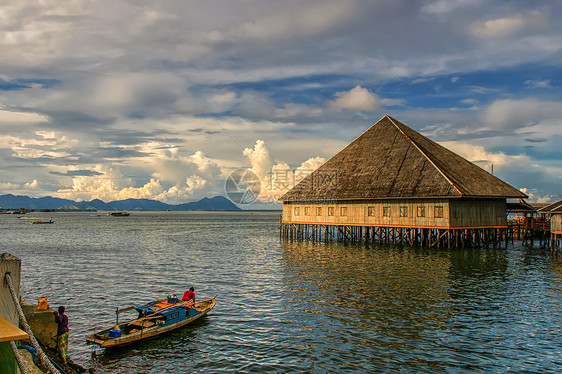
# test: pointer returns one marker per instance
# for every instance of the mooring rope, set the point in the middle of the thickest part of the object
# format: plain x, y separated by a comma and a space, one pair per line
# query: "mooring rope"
42, 356
19, 360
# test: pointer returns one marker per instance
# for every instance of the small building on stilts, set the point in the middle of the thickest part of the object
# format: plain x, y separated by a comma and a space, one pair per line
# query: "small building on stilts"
521, 220
554, 210
393, 185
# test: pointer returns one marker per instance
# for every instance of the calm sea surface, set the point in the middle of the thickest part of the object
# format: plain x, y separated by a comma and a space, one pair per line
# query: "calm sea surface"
292, 307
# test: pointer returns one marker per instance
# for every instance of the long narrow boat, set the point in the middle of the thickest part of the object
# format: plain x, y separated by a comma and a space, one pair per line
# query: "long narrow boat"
42, 222
118, 214
154, 318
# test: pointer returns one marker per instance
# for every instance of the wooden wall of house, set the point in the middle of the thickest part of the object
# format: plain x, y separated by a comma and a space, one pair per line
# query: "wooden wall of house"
478, 212
392, 212
556, 223
435, 213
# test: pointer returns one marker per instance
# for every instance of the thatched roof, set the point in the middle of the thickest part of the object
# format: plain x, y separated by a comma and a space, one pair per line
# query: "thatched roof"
552, 208
521, 206
390, 160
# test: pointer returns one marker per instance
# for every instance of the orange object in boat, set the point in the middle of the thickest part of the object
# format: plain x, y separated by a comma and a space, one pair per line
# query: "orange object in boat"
42, 304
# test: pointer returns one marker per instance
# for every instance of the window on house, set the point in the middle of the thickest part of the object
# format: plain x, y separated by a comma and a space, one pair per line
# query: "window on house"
297, 211
343, 211
421, 211
438, 212
307, 211
403, 211
318, 211
386, 211
371, 211
331, 210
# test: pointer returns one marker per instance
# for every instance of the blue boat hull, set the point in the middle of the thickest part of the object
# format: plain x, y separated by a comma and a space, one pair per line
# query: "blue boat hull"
150, 325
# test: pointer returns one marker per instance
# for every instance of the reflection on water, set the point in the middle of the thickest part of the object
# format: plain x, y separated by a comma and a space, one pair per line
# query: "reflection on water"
423, 309
293, 307
383, 303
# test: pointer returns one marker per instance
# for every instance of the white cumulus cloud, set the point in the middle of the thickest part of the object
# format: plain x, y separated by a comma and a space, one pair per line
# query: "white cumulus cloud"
277, 177
508, 25
358, 98
260, 159
521, 113
13, 117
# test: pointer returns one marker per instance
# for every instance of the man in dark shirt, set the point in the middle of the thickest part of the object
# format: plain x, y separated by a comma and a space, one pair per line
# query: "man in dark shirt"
62, 333
189, 295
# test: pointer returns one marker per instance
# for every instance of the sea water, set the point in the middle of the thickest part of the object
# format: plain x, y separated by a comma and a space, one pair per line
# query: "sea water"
291, 307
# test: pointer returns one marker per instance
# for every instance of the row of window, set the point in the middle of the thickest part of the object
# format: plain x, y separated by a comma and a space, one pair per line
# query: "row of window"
371, 211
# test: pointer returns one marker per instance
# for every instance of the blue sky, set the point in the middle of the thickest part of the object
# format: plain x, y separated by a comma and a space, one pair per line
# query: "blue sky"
137, 99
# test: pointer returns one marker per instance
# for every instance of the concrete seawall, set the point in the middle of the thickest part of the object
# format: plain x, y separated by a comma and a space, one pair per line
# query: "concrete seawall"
42, 323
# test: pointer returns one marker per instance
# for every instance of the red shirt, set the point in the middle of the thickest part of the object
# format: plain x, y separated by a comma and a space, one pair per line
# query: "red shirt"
188, 295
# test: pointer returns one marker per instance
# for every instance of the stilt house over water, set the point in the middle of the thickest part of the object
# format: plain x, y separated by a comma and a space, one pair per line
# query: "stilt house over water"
555, 212
393, 185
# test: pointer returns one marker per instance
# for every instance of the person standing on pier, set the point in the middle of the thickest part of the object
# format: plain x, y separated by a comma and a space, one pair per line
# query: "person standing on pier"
189, 295
62, 333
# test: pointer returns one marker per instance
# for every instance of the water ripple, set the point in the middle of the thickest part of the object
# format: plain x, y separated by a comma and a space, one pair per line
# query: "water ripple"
293, 307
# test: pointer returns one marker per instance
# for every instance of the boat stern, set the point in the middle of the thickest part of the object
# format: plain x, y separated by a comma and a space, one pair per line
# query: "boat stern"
93, 339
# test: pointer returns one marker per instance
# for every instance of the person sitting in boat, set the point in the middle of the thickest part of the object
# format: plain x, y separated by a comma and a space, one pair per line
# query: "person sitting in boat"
189, 295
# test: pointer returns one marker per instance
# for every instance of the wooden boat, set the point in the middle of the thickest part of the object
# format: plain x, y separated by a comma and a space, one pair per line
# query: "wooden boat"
41, 222
118, 214
154, 318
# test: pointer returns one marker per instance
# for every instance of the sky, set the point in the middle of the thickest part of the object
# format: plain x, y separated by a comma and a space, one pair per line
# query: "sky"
166, 99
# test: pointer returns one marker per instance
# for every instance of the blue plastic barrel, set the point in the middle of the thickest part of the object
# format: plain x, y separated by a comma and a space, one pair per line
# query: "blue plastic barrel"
113, 333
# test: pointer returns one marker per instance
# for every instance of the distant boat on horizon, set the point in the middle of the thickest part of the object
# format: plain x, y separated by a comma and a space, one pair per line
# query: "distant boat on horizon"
118, 214
42, 222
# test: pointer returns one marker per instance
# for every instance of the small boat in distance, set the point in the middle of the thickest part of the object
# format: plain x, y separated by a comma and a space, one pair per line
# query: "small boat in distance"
118, 214
155, 318
41, 222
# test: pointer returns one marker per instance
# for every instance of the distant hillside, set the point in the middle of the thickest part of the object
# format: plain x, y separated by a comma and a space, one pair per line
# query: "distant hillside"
15, 202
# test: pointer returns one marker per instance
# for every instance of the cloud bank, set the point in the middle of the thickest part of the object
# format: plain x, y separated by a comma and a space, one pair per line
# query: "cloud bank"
163, 100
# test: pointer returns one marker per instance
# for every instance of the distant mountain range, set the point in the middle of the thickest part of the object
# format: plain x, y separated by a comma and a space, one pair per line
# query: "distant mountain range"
15, 202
